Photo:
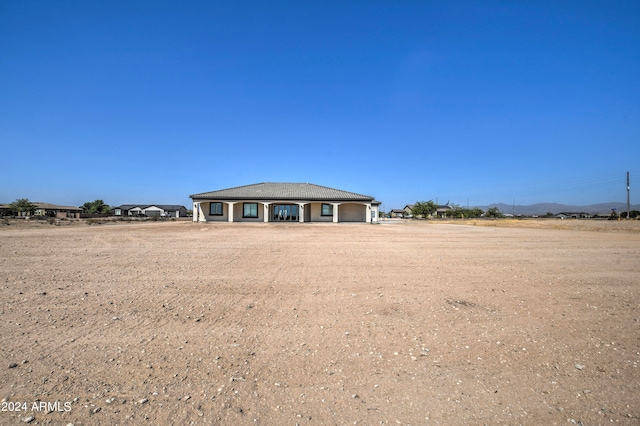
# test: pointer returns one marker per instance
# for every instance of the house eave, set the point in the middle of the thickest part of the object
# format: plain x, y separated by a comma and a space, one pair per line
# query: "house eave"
307, 200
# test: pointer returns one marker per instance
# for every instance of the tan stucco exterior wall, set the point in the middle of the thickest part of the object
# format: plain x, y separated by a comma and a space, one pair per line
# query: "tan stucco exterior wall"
312, 212
351, 212
204, 213
238, 208
316, 213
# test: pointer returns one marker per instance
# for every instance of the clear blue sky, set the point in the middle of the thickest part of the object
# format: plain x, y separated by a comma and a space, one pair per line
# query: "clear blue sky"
467, 102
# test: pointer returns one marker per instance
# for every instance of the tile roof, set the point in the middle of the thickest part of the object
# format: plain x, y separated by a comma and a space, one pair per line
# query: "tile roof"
170, 207
282, 191
49, 206
128, 206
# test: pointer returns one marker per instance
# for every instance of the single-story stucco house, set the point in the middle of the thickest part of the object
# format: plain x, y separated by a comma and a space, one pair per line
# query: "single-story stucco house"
284, 202
53, 210
46, 209
397, 213
443, 210
150, 210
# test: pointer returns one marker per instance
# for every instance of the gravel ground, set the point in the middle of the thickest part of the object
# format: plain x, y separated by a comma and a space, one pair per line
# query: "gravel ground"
520, 322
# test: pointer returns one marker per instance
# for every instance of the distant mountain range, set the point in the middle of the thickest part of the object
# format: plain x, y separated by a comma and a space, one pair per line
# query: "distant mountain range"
541, 209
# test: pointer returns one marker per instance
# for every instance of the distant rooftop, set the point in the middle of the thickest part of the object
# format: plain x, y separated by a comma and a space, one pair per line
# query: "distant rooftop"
145, 206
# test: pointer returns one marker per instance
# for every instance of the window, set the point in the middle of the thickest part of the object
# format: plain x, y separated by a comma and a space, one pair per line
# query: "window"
327, 210
250, 210
215, 209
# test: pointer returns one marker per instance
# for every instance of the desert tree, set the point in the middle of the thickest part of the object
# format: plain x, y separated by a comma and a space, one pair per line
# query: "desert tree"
22, 207
475, 212
494, 212
424, 208
459, 212
97, 206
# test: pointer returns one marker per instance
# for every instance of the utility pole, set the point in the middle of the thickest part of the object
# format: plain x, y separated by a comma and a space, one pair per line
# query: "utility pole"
628, 204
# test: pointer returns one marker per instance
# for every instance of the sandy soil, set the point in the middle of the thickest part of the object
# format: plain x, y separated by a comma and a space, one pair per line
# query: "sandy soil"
319, 324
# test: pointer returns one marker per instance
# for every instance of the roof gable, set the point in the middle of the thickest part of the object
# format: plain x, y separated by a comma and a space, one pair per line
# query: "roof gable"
167, 207
128, 206
146, 206
282, 191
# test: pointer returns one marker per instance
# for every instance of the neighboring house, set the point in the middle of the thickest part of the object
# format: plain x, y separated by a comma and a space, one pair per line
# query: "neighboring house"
284, 202
52, 210
407, 211
5, 210
574, 215
46, 209
397, 213
150, 210
442, 210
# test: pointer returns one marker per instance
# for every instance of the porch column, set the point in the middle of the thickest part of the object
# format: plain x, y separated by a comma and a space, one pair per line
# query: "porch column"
367, 217
300, 212
197, 213
266, 211
335, 212
230, 213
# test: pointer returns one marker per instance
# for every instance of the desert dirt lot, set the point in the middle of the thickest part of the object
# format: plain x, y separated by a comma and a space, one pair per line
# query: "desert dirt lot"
320, 324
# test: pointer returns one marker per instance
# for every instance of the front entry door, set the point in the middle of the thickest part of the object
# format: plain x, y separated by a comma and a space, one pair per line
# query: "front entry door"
285, 212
